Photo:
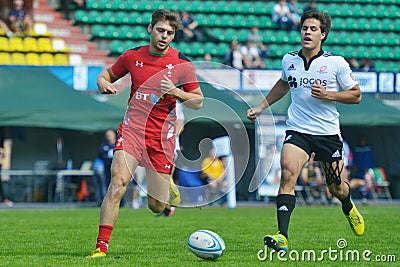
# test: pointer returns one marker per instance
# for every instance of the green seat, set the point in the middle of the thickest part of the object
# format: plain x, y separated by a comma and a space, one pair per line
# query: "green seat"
95, 16
129, 44
210, 47
242, 35
230, 34
107, 17
98, 31
133, 17
96, 4
239, 20
117, 47
374, 52
81, 16
260, 8
125, 32
121, 17
380, 65
112, 31
252, 20
222, 48
387, 24
118, 5
197, 48
139, 32
228, 20
393, 66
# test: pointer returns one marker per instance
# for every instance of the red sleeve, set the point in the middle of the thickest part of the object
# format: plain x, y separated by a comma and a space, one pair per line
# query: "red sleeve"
189, 80
119, 68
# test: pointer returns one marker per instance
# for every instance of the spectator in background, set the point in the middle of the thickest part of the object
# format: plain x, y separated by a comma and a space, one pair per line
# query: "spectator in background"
251, 56
294, 12
255, 38
312, 177
353, 63
367, 65
99, 180
5, 28
66, 5
190, 27
282, 17
207, 62
312, 6
3, 199
363, 160
19, 19
106, 153
233, 57
213, 174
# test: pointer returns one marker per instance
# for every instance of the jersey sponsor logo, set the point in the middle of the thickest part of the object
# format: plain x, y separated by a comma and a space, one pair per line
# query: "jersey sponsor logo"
337, 154
139, 64
288, 137
304, 82
141, 96
292, 81
283, 208
167, 166
291, 67
170, 67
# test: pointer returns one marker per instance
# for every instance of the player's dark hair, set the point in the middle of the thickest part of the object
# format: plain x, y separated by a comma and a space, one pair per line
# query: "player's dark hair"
324, 18
165, 15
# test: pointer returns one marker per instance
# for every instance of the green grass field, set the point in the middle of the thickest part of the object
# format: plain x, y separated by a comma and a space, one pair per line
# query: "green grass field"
63, 237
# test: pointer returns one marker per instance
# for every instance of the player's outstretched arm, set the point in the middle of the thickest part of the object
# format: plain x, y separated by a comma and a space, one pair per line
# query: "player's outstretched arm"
351, 96
104, 82
279, 90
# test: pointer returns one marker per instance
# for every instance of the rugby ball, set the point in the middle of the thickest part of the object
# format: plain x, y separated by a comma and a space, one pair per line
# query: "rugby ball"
206, 244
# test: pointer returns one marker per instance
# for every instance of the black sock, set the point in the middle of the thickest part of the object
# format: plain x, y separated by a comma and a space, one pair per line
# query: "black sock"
347, 205
285, 205
166, 211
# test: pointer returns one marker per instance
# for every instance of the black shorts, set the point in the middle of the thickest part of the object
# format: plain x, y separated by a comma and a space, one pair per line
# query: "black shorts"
327, 148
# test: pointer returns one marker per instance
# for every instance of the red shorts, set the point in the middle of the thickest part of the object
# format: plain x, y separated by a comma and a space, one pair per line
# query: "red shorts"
156, 154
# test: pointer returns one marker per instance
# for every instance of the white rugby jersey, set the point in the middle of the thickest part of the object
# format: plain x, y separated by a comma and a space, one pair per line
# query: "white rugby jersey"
307, 114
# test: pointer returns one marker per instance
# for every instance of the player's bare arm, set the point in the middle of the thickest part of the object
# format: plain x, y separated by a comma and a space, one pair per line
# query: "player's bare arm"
105, 82
351, 96
279, 90
192, 99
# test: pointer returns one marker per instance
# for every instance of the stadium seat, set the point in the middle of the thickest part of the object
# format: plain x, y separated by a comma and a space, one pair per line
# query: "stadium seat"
5, 58
121, 17
46, 59
140, 32
41, 29
30, 44
125, 32
32, 59
112, 31
15, 44
75, 59
108, 16
95, 16
44, 45
59, 45
61, 59
18, 58
4, 44
81, 16
117, 47
98, 31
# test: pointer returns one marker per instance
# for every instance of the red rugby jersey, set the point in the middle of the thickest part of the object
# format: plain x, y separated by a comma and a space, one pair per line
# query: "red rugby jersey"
146, 110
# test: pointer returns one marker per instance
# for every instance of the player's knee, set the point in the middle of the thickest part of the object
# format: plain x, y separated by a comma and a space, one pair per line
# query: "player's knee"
156, 206
117, 187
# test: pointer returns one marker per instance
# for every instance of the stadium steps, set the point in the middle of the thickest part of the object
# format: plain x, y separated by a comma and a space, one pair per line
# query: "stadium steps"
78, 42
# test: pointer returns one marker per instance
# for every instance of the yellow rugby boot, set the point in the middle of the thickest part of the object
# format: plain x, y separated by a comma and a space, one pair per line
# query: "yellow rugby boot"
97, 253
356, 221
277, 242
174, 195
